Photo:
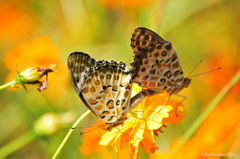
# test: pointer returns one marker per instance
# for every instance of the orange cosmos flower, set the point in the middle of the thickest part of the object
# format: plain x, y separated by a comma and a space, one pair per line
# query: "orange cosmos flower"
218, 135
140, 128
37, 52
230, 65
150, 116
15, 22
40, 52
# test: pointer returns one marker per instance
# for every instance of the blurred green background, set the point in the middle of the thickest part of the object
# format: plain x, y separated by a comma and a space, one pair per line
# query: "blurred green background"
38, 33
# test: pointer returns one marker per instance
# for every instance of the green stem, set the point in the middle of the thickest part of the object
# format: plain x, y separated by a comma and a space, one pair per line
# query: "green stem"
9, 84
204, 114
16, 144
69, 134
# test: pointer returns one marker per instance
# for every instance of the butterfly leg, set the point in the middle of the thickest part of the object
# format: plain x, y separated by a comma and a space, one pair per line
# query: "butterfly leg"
167, 99
184, 97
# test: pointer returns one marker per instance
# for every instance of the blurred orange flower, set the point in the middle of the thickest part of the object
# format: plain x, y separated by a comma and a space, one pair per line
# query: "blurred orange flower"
230, 65
216, 136
15, 22
139, 129
37, 52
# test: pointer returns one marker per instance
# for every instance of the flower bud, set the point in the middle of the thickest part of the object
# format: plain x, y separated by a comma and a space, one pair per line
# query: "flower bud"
33, 75
30, 75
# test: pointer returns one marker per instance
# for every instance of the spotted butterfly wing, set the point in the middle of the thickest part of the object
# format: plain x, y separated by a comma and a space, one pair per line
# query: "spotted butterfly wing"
104, 87
142, 38
79, 65
156, 65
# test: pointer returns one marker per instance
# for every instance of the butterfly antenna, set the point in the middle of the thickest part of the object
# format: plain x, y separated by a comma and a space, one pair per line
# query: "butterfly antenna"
194, 68
206, 72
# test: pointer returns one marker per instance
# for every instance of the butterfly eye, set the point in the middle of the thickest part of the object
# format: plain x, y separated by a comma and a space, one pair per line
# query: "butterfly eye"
187, 82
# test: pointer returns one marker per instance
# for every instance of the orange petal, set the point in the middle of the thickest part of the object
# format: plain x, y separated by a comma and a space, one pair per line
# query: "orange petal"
135, 138
156, 118
110, 136
90, 140
176, 114
16, 22
148, 142
32, 53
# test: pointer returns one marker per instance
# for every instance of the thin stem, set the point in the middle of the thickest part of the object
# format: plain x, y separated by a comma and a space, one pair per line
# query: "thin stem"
69, 134
208, 109
16, 144
9, 84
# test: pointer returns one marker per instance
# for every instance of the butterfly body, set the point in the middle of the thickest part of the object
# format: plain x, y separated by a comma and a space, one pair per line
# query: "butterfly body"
104, 87
156, 66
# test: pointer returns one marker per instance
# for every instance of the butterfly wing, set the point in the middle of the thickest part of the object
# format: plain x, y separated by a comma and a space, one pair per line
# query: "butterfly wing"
107, 90
79, 65
104, 87
157, 66
142, 38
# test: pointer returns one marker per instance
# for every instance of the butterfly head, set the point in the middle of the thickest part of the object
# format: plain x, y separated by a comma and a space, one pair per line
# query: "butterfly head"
186, 82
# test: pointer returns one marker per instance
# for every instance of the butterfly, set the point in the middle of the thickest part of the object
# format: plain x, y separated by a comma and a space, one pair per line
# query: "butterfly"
104, 87
156, 66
